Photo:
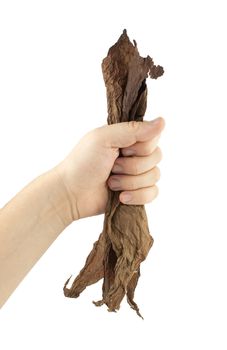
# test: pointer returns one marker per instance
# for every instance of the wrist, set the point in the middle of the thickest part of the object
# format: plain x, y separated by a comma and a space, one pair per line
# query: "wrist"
67, 206
58, 208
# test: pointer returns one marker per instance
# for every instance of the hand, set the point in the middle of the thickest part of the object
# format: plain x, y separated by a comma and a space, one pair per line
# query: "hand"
76, 188
85, 173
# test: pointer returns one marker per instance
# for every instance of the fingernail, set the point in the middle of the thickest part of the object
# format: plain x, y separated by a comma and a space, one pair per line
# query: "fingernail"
114, 184
117, 168
129, 152
126, 197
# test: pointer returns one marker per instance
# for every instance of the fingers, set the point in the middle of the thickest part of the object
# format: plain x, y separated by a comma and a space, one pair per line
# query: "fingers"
124, 134
139, 197
136, 173
141, 148
137, 165
136, 177
131, 182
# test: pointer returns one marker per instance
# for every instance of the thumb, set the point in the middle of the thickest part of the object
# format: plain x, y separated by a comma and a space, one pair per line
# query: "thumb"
125, 134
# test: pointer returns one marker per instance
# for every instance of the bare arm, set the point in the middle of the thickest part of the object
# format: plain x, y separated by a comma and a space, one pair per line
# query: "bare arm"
29, 224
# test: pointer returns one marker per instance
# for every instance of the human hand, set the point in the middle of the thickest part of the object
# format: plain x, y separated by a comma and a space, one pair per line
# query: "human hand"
85, 173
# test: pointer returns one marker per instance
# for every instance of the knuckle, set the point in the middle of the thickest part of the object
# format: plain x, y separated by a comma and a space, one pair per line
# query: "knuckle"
155, 191
156, 173
149, 195
134, 125
152, 194
159, 153
147, 149
145, 197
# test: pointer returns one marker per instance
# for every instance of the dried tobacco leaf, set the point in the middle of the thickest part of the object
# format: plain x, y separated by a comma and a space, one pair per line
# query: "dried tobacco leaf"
125, 240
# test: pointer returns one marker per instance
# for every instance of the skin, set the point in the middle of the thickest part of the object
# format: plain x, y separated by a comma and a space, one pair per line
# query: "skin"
35, 217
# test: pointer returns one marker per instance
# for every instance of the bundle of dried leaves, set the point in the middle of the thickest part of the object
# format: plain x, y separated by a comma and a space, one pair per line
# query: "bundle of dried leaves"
125, 240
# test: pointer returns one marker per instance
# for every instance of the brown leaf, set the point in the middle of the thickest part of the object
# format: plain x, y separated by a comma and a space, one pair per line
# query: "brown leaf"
125, 240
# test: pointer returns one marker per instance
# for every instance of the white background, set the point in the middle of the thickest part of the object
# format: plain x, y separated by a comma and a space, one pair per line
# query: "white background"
51, 94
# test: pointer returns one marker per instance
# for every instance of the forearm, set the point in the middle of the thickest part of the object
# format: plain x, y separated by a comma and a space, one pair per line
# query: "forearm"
29, 224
